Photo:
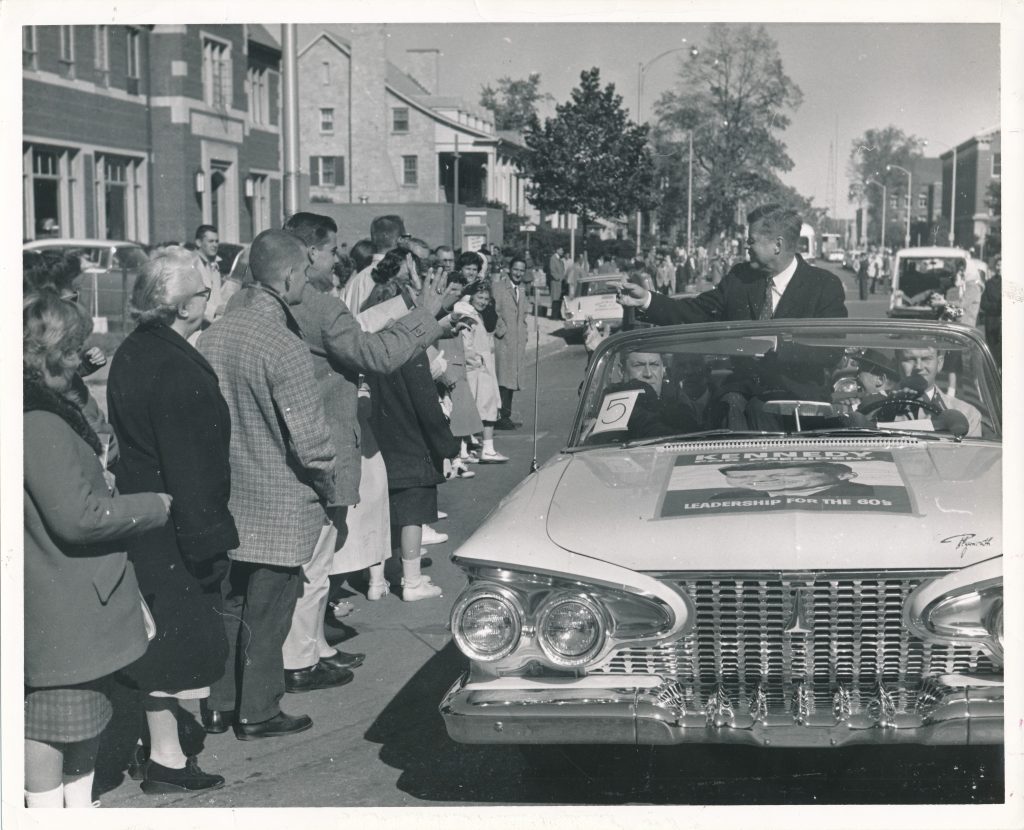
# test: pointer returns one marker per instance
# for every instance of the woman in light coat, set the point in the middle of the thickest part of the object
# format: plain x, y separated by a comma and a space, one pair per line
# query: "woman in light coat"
481, 376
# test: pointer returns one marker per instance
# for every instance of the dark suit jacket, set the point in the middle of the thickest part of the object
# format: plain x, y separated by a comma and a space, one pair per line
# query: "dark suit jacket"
813, 292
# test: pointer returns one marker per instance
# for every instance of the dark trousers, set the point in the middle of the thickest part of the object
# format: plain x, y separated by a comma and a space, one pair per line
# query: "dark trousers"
506, 402
258, 605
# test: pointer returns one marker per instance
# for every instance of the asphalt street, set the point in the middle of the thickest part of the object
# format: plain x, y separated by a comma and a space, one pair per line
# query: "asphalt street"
380, 742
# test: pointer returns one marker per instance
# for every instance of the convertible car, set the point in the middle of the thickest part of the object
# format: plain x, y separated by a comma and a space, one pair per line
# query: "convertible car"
783, 533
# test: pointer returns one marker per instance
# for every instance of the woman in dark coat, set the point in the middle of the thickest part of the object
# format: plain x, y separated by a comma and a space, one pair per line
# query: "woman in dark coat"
83, 618
173, 427
414, 439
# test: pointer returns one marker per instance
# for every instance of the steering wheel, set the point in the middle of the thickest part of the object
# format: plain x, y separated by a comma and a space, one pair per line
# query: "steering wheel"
889, 408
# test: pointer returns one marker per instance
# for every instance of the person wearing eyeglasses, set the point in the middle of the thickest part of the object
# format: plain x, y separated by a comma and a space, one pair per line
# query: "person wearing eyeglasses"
174, 427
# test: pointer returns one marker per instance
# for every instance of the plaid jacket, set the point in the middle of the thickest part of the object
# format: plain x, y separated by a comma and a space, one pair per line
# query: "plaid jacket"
282, 455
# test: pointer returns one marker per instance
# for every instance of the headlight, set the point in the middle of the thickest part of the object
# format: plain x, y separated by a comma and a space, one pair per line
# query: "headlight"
486, 625
570, 630
965, 606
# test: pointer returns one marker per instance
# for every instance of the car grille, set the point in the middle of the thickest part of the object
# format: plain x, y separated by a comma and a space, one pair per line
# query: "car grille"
797, 642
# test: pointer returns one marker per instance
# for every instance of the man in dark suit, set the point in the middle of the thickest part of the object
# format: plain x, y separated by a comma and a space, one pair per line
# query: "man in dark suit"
775, 282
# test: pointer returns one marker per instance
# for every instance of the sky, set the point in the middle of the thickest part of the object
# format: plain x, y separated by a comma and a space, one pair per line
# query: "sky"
937, 81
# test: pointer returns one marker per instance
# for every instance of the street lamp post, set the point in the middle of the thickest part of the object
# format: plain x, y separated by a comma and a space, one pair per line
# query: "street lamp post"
640, 73
910, 196
879, 184
689, 198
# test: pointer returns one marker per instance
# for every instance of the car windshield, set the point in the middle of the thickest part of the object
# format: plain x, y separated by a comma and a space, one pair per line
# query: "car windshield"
590, 288
786, 377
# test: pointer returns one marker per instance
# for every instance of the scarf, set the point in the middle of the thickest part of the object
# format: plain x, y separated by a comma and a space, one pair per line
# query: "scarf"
38, 397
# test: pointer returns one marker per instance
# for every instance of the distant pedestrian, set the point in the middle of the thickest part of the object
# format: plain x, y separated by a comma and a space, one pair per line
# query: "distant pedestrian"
207, 241
990, 312
512, 307
556, 280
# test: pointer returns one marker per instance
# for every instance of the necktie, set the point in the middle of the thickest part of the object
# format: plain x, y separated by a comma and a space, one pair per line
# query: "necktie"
766, 306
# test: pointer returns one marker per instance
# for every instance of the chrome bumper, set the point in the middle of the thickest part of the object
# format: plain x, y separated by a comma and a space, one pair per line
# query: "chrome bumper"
960, 711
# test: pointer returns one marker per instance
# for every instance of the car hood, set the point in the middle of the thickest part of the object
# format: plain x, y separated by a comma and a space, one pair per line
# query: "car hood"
668, 508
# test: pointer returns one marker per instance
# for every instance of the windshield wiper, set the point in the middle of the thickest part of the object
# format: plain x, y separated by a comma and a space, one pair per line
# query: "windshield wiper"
910, 433
708, 433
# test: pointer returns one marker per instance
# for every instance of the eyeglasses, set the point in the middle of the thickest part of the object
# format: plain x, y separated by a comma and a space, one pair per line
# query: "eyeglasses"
205, 293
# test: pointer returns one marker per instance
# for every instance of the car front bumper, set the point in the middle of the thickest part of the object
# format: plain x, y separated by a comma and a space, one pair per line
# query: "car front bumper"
640, 709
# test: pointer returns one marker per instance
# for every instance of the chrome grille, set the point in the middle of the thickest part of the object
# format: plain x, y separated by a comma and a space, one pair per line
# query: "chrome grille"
820, 632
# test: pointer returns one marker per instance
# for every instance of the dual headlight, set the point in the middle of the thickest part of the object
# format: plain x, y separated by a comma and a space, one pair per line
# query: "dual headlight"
488, 624
965, 606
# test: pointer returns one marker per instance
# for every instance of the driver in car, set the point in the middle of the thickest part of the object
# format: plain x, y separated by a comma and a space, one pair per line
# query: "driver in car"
924, 365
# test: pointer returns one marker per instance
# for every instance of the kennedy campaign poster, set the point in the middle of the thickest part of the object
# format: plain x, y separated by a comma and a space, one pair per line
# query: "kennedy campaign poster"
845, 481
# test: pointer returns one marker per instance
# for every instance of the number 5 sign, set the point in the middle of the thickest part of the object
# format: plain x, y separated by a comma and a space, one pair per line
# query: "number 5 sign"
615, 410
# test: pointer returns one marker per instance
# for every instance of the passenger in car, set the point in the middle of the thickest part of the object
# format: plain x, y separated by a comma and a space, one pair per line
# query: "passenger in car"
658, 410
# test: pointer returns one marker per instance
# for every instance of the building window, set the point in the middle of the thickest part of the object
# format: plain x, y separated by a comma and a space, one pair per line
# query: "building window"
326, 68
28, 47
259, 204
327, 119
216, 73
259, 96
400, 120
132, 42
115, 197
997, 165
922, 200
101, 53
410, 170
67, 51
894, 201
52, 192
327, 171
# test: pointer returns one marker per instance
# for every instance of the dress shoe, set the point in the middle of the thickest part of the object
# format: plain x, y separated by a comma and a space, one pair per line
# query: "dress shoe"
505, 423
426, 562
320, 676
441, 515
343, 660
277, 726
215, 721
160, 779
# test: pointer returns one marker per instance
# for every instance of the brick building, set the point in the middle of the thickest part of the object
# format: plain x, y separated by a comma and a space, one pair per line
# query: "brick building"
978, 166
374, 134
144, 132
925, 202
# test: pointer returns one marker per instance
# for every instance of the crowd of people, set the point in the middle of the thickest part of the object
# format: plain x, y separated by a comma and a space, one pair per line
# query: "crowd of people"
260, 444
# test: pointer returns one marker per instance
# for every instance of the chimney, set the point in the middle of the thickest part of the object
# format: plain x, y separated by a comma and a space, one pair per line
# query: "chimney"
422, 65
371, 172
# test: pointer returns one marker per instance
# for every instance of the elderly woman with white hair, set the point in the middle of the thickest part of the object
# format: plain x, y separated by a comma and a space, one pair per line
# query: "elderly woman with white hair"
173, 426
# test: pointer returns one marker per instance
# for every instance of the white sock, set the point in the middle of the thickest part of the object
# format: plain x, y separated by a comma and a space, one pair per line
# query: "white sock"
47, 798
462, 448
488, 445
410, 572
78, 791
377, 574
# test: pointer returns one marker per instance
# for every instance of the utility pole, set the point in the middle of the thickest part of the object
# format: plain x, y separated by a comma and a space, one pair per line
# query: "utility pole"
290, 128
455, 191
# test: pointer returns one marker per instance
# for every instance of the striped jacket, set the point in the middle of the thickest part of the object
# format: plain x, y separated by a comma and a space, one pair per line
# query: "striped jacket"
282, 455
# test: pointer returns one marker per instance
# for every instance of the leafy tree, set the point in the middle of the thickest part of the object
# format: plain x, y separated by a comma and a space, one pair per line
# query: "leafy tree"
735, 97
589, 159
869, 156
994, 202
514, 102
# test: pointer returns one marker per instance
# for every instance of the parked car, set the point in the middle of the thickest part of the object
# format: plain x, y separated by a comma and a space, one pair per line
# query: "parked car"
918, 273
838, 255
595, 300
109, 268
741, 544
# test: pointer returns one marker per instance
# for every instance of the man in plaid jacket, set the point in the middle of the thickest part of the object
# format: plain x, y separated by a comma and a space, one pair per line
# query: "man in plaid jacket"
282, 480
